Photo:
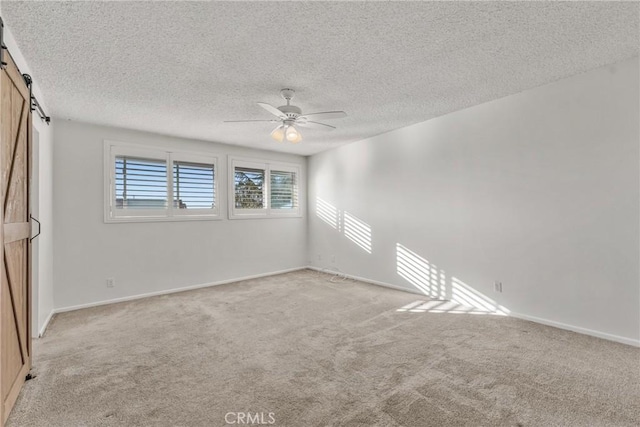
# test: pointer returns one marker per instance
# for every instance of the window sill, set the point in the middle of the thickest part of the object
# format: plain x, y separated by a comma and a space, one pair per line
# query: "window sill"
262, 216
162, 219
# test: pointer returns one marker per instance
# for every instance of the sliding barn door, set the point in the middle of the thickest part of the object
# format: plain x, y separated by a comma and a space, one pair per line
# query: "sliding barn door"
15, 294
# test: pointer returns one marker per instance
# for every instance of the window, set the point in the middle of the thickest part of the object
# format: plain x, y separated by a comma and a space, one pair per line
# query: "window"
284, 190
194, 185
261, 189
140, 182
249, 188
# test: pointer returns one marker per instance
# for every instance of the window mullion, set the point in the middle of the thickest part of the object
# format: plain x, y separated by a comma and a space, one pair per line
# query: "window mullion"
267, 189
124, 179
169, 161
112, 183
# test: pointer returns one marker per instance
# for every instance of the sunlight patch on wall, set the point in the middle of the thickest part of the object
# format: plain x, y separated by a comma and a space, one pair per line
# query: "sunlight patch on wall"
418, 271
327, 213
358, 231
464, 294
353, 228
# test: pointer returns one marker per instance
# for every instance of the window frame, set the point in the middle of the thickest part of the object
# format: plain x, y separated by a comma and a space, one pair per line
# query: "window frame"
113, 149
267, 211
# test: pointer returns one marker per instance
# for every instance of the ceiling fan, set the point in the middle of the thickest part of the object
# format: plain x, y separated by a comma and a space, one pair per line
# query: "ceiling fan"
289, 116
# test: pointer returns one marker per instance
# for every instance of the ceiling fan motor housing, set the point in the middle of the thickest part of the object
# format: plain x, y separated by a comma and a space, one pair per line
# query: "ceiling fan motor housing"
290, 110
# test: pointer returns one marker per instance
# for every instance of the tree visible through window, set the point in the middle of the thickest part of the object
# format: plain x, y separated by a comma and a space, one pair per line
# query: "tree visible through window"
262, 190
249, 188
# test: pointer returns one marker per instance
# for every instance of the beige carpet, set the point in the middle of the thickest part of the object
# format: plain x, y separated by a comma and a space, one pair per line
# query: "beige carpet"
317, 353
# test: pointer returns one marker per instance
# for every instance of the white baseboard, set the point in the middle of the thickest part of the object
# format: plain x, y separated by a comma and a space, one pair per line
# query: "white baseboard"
46, 324
585, 331
172, 291
365, 280
591, 332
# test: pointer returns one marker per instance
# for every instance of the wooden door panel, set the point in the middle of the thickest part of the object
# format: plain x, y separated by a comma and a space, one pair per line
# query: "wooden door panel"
15, 278
8, 129
13, 126
16, 231
12, 358
15, 208
15, 267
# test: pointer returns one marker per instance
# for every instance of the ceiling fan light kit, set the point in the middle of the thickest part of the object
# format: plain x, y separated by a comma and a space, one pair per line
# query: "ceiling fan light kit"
286, 132
291, 116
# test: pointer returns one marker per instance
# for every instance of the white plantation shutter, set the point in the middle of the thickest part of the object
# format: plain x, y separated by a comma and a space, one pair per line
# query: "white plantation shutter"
259, 189
249, 188
147, 184
140, 183
284, 190
193, 185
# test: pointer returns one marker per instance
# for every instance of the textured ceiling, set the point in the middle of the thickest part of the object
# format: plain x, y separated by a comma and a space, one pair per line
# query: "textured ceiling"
181, 68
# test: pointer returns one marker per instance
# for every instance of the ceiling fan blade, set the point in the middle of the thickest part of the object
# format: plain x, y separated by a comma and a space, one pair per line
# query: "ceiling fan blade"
273, 110
243, 121
315, 125
326, 115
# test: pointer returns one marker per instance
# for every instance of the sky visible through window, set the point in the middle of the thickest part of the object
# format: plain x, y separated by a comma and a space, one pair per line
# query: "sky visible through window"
142, 184
193, 185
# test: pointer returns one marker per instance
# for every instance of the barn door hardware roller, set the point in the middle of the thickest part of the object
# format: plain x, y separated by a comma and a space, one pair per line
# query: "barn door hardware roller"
2, 46
35, 105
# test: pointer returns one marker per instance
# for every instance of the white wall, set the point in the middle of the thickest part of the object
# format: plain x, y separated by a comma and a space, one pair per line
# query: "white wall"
153, 257
42, 273
539, 190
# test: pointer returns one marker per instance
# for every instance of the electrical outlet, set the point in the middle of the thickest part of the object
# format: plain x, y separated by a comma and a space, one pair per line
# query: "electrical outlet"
333, 259
319, 257
111, 282
497, 286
